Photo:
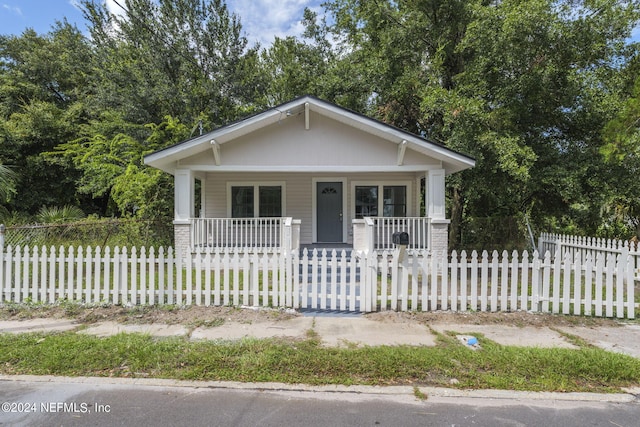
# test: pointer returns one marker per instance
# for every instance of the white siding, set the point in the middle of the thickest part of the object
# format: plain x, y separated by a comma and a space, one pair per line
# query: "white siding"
326, 143
298, 193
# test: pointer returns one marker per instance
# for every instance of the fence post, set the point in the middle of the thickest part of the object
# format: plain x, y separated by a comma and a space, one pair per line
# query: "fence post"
286, 236
626, 264
630, 277
369, 242
540, 243
558, 249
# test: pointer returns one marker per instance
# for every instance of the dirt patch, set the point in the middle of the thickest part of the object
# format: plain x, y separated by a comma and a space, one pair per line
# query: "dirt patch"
209, 316
191, 315
519, 319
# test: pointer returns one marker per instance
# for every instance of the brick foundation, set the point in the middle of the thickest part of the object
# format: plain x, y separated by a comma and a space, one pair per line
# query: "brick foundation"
182, 237
440, 236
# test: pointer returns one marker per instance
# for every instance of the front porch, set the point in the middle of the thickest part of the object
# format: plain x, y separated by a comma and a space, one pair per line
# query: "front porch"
309, 172
283, 234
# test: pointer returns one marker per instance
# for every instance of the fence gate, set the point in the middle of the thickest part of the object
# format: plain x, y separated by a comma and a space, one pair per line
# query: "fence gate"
333, 280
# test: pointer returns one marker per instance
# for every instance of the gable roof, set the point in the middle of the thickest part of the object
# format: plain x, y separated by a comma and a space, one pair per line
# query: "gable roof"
167, 158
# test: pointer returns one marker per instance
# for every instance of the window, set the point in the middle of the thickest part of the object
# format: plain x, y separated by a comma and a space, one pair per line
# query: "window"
270, 201
249, 201
242, 202
395, 201
368, 202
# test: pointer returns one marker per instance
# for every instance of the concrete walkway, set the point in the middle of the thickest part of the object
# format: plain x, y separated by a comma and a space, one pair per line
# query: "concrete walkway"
356, 331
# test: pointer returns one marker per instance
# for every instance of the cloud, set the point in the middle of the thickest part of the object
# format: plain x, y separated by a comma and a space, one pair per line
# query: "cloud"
114, 8
635, 35
111, 6
13, 9
76, 4
263, 20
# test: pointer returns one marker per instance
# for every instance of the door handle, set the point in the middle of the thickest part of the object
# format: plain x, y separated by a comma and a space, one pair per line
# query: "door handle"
340, 216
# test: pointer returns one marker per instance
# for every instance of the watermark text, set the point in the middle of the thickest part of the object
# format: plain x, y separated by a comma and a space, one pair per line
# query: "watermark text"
55, 407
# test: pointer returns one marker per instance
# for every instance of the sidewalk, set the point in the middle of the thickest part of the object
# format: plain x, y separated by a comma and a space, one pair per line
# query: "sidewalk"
355, 331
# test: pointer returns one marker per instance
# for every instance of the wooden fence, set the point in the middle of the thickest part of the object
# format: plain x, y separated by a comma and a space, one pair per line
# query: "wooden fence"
388, 280
603, 286
582, 245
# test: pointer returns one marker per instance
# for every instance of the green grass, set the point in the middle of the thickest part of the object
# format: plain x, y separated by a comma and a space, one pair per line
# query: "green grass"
305, 361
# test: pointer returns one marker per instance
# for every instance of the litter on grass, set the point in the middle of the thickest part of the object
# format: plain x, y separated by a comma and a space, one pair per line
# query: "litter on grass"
469, 341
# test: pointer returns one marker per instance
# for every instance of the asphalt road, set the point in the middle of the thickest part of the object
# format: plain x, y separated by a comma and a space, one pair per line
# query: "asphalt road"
62, 404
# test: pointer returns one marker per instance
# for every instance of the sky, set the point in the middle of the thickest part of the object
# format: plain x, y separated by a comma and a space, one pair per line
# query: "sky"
262, 20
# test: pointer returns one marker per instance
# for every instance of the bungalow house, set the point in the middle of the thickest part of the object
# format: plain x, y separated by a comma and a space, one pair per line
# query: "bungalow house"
309, 172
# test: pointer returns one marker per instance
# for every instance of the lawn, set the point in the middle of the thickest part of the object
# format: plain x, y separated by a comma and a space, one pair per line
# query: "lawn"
448, 364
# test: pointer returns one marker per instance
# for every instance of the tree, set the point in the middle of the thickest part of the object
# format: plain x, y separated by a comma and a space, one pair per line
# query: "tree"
291, 69
158, 69
111, 162
520, 85
622, 153
42, 85
7, 188
179, 58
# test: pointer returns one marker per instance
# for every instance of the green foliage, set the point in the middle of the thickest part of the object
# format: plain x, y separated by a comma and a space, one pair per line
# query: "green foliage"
112, 164
58, 215
7, 182
42, 84
522, 86
89, 231
182, 58
162, 65
291, 69
7, 188
622, 153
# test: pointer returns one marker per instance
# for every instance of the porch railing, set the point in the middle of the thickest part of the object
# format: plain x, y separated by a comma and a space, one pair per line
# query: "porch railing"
266, 233
376, 232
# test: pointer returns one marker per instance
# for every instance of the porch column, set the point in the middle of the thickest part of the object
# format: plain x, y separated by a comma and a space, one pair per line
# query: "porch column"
435, 194
435, 210
183, 209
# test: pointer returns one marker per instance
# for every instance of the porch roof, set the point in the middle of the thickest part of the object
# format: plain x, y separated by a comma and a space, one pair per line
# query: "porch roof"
209, 144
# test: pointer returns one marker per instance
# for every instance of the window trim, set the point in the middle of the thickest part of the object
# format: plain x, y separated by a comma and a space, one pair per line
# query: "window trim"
256, 195
381, 184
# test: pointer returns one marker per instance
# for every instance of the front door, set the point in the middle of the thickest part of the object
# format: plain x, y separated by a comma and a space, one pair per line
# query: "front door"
329, 211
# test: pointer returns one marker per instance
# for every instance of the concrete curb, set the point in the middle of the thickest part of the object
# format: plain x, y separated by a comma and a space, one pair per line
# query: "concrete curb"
628, 396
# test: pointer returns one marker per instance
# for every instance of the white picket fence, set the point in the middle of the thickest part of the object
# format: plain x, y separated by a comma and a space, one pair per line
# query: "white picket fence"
604, 286
141, 276
583, 245
600, 286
